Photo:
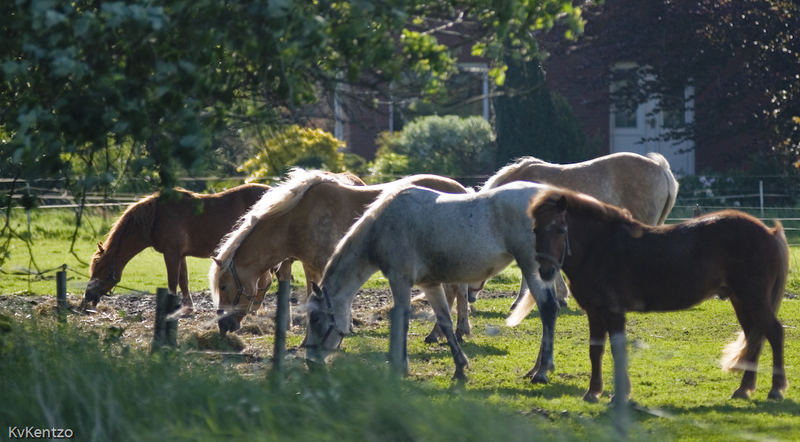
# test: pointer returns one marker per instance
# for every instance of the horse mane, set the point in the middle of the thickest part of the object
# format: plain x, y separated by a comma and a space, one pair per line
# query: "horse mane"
584, 205
137, 220
510, 169
363, 225
277, 200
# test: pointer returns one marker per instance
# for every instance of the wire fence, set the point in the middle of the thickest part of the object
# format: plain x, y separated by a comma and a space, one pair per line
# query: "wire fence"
766, 197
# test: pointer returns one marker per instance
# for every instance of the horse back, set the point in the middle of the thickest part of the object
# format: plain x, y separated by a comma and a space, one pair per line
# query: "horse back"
193, 224
727, 253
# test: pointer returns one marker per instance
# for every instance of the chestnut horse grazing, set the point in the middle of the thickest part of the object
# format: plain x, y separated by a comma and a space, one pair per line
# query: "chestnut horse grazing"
302, 218
178, 224
418, 236
616, 264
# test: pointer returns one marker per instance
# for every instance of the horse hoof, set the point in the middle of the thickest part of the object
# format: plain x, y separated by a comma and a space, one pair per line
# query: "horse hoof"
775, 395
741, 393
431, 339
459, 375
591, 397
540, 377
187, 312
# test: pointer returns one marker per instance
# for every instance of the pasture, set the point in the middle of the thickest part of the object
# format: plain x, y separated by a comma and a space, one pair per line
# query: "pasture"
87, 376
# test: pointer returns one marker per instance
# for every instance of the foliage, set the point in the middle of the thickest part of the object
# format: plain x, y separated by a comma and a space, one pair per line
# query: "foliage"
59, 377
532, 120
295, 146
740, 56
92, 92
449, 145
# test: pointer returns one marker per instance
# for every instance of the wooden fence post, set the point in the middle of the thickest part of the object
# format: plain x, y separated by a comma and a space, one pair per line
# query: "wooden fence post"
281, 324
398, 330
165, 332
61, 293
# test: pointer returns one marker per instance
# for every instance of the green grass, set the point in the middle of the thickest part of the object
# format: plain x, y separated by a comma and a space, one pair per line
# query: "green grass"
56, 375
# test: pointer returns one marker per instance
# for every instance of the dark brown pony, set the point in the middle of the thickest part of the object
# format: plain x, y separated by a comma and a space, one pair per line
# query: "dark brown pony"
177, 224
616, 264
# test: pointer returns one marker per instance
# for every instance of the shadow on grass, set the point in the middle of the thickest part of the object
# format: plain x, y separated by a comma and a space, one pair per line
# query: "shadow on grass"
569, 310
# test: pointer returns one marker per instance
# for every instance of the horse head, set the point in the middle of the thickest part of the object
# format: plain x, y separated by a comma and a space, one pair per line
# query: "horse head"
322, 334
104, 276
552, 237
235, 296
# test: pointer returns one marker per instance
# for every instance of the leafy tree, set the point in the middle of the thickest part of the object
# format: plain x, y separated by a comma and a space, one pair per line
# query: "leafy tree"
741, 56
449, 145
172, 78
295, 146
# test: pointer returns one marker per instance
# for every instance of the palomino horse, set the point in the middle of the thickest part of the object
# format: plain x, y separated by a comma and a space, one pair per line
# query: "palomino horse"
616, 264
644, 185
303, 218
422, 237
178, 225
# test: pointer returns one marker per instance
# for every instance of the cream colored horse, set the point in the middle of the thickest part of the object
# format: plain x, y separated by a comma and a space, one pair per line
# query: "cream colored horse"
303, 218
644, 185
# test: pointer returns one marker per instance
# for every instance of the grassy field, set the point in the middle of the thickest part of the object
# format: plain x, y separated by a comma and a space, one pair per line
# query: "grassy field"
56, 375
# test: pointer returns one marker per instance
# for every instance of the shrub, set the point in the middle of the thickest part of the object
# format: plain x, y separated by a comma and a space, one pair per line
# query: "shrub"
449, 145
295, 146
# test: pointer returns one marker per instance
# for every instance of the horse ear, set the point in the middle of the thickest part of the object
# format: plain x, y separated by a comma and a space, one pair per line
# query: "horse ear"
100, 248
561, 204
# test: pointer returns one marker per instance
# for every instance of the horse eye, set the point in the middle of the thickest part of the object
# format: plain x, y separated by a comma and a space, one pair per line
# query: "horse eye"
223, 287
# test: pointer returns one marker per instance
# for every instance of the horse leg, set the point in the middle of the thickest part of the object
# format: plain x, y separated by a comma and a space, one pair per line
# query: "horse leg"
463, 327
436, 332
619, 351
548, 311
183, 282
562, 291
436, 298
398, 349
748, 356
774, 334
174, 264
597, 343
523, 287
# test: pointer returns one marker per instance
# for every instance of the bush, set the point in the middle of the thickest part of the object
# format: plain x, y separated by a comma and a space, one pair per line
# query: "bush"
449, 145
295, 146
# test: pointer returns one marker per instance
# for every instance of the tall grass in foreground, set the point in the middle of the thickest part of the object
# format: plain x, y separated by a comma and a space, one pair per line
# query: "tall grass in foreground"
56, 376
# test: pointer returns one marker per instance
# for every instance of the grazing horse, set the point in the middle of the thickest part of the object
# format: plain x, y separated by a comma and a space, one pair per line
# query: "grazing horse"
303, 218
616, 264
177, 224
422, 237
644, 185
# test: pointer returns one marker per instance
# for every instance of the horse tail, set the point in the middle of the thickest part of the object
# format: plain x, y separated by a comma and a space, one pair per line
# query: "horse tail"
736, 350
524, 306
672, 184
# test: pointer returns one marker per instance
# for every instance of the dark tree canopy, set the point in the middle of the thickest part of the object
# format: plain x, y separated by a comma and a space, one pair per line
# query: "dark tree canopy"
741, 56
168, 79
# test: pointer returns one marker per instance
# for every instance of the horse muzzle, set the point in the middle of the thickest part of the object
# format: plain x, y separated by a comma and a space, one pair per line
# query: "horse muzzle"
547, 273
228, 322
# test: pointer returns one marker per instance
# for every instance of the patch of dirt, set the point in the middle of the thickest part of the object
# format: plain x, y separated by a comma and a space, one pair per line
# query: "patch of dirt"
129, 319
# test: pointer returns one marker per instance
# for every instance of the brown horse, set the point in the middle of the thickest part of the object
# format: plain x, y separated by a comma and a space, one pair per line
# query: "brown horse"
616, 264
178, 224
303, 218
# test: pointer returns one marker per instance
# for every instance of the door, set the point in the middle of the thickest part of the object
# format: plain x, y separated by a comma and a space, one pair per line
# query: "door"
641, 130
